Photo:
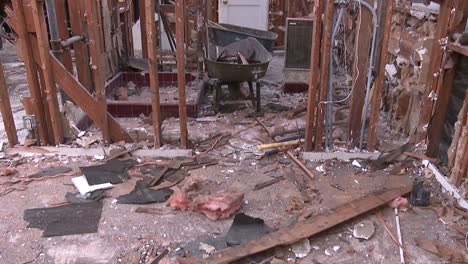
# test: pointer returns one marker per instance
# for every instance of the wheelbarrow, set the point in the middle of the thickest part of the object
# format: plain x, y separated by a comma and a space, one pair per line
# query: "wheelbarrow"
252, 67
225, 34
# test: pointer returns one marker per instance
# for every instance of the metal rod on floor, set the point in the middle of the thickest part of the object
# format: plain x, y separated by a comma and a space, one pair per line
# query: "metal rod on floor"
400, 239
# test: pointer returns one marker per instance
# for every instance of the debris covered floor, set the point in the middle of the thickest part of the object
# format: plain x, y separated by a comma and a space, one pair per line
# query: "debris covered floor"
126, 236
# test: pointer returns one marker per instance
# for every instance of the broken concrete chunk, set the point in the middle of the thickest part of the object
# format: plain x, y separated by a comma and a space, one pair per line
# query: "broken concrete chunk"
364, 230
301, 248
207, 248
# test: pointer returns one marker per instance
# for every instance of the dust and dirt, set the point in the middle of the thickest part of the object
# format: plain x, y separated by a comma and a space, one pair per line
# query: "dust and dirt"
125, 236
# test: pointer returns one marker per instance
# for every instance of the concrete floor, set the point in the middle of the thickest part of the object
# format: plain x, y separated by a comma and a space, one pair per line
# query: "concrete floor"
125, 236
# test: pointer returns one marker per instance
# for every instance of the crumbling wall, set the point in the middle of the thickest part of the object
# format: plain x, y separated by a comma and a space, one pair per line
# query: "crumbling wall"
457, 97
412, 34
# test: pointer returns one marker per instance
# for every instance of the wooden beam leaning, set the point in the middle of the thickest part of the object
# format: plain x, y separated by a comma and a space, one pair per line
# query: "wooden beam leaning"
50, 89
94, 37
380, 82
31, 72
5, 109
432, 83
307, 228
153, 71
314, 75
324, 73
85, 100
180, 55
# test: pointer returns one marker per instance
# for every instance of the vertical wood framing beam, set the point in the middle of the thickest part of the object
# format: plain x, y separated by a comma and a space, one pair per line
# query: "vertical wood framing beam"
44, 55
5, 109
180, 56
314, 74
202, 20
62, 23
380, 82
324, 73
436, 127
31, 72
153, 71
144, 42
360, 76
433, 82
95, 44
76, 11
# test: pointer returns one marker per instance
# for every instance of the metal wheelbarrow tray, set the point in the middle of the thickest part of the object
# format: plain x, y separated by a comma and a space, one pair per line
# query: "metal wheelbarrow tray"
229, 72
225, 34
258, 59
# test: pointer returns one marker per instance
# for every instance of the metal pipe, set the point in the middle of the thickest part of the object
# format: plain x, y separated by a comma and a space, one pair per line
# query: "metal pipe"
371, 67
55, 42
329, 104
53, 28
72, 40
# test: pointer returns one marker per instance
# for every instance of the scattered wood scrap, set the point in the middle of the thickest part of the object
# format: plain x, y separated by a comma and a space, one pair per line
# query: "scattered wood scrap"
309, 227
265, 184
388, 158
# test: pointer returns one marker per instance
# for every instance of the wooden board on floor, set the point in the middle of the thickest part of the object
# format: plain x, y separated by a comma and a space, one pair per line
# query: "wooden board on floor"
309, 227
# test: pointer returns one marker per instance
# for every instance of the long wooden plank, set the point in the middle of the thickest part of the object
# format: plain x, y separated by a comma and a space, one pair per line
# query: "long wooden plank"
95, 45
5, 109
50, 89
324, 74
363, 46
62, 23
314, 75
153, 70
309, 227
180, 25
31, 71
77, 18
380, 82
85, 101
433, 82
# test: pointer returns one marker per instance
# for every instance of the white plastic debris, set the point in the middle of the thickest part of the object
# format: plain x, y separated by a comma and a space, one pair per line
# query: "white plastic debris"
357, 164
83, 187
99, 157
320, 168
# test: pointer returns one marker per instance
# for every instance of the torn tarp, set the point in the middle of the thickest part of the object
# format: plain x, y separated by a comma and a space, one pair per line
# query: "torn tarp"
145, 196
114, 172
52, 171
71, 219
245, 228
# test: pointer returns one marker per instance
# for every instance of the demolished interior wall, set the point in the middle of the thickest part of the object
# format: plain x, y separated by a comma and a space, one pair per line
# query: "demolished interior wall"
410, 47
